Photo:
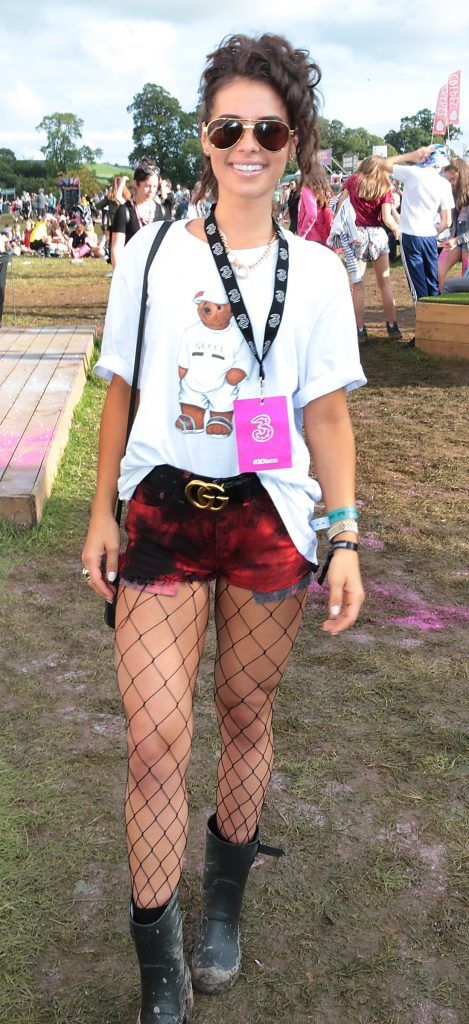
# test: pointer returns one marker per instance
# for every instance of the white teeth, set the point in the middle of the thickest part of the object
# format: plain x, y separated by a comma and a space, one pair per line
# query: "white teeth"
248, 167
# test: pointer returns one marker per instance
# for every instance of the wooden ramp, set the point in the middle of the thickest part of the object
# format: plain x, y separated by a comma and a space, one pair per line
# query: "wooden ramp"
42, 376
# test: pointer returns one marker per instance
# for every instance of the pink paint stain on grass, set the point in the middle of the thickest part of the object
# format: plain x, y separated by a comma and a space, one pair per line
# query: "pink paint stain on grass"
427, 619
373, 543
425, 622
396, 593
413, 612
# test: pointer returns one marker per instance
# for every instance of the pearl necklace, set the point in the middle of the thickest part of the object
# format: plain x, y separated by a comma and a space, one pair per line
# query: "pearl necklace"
243, 269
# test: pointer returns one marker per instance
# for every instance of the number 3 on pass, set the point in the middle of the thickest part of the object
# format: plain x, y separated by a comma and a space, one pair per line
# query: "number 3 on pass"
264, 430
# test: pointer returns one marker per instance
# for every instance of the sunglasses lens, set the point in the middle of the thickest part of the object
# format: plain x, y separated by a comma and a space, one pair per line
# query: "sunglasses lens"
272, 135
223, 133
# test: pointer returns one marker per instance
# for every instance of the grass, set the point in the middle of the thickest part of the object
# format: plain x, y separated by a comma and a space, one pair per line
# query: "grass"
460, 298
107, 172
363, 922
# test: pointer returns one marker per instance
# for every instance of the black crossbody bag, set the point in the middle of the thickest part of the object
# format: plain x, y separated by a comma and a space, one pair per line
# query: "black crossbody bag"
110, 607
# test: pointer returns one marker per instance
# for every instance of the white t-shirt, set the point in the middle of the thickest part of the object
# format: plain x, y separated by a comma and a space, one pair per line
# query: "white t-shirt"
425, 194
190, 334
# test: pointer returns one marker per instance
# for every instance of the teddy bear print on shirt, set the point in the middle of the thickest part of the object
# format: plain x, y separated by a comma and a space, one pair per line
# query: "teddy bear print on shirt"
213, 360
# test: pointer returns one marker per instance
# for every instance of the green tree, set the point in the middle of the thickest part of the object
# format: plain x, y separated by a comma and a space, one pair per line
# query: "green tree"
165, 133
62, 131
61, 151
416, 131
336, 136
89, 184
89, 156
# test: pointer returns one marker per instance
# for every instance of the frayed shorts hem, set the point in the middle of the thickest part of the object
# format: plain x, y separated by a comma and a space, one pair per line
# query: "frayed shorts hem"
166, 588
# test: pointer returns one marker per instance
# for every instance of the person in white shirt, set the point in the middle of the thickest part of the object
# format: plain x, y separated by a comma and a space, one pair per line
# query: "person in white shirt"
426, 211
246, 326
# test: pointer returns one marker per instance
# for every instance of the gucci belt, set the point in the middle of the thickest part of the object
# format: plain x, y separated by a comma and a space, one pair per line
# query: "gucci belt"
203, 494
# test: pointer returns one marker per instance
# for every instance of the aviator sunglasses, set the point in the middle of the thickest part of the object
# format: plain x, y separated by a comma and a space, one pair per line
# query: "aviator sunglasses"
271, 133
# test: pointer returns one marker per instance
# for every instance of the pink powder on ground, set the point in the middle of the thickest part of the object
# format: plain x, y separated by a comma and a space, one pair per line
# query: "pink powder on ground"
425, 621
396, 592
373, 543
419, 614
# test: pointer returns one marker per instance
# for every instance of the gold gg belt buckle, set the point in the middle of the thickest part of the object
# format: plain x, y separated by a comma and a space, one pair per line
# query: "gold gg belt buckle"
204, 495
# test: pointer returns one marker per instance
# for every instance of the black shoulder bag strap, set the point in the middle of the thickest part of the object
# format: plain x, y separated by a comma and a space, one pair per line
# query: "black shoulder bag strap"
110, 609
165, 225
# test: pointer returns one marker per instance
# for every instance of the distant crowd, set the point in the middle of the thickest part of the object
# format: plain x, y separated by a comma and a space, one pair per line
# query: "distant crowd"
423, 208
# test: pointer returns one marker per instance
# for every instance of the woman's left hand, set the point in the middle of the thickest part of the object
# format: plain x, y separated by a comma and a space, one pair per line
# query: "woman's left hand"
346, 594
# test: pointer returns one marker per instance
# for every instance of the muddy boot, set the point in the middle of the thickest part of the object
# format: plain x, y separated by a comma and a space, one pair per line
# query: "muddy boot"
216, 961
165, 978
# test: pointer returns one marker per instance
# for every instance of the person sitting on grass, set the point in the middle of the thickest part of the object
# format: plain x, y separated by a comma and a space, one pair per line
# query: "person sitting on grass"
456, 247
40, 239
59, 240
85, 242
96, 245
456, 284
79, 246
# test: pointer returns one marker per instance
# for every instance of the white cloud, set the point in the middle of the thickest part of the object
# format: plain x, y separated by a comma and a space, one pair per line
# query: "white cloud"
381, 60
131, 47
20, 104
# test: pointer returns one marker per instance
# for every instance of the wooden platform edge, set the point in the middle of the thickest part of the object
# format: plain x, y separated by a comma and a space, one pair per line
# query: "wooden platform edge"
447, 313
436, 347
26, 510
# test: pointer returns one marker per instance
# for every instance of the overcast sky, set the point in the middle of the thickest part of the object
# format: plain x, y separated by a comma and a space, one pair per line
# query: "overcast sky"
381, 59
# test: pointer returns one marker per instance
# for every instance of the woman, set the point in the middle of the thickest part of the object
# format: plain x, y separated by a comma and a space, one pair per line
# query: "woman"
79, 244
143, 208
293, 203
204, 504
109, 204
314, 213
457, 247
370, 194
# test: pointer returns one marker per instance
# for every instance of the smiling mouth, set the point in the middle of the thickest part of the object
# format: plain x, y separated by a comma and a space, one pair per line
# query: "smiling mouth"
248, 168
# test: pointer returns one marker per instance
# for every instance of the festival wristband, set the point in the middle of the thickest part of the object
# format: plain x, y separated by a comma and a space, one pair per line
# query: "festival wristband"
350, 512
348, 545
342, 526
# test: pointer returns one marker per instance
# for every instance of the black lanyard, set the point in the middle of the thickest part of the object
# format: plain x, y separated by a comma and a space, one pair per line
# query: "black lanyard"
235, 298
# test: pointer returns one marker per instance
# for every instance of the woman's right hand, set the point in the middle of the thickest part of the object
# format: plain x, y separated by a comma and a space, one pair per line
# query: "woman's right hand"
103, 539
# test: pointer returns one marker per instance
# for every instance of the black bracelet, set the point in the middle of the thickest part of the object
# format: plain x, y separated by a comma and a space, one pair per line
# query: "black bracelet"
348, 545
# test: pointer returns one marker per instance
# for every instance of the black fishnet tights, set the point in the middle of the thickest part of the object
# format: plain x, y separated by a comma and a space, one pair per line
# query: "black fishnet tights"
158, 645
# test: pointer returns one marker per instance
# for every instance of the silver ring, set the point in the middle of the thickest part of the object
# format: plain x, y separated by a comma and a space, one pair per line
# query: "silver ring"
85, 574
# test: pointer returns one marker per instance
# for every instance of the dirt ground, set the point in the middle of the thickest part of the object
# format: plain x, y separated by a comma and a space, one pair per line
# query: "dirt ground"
364, 920
79, 291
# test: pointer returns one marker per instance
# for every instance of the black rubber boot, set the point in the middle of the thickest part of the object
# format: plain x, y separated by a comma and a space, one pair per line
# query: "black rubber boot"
165, 978
216, 960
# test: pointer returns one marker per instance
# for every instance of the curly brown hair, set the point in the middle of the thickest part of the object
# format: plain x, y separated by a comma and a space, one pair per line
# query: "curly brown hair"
271, 59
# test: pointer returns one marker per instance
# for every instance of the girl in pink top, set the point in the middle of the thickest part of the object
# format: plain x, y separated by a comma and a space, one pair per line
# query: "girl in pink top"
314, 215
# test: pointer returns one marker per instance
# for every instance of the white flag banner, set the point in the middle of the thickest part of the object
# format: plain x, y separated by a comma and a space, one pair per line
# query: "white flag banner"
441, 113
454, 89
